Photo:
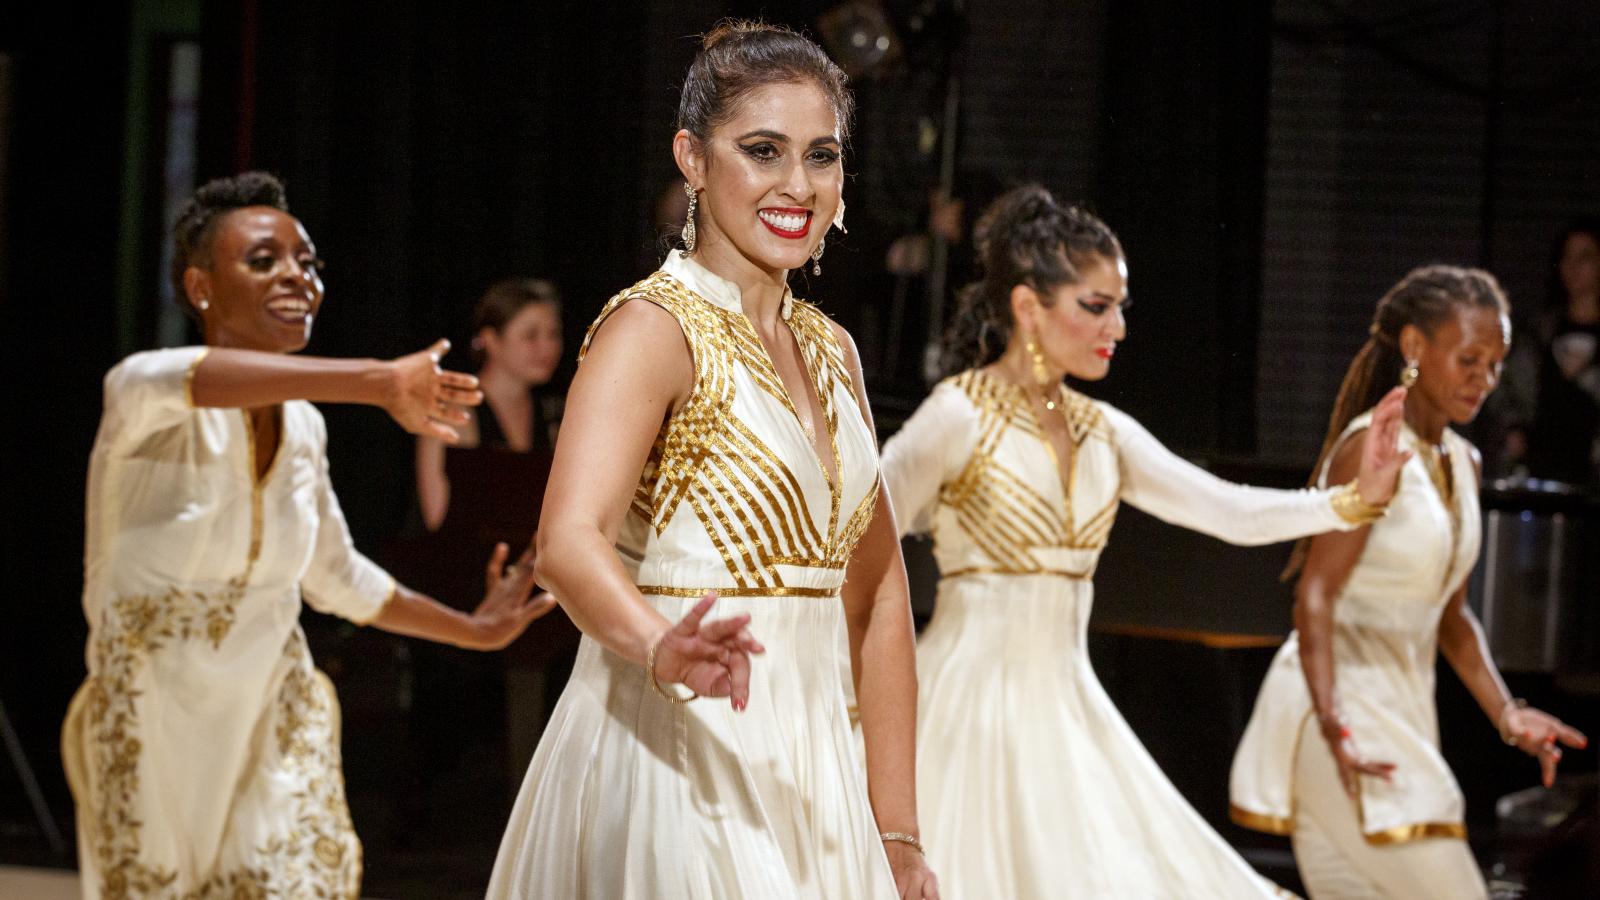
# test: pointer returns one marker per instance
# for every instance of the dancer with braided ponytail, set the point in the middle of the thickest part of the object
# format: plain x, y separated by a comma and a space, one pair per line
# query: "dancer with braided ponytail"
1030, 782
1350, 766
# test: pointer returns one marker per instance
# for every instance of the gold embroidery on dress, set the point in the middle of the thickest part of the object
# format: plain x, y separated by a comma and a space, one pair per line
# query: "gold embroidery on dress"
320, 857
998, 509
705, 459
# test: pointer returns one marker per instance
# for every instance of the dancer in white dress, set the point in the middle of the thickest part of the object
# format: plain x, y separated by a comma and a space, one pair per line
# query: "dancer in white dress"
1374, 607
717, 434
203, 749
1031, 783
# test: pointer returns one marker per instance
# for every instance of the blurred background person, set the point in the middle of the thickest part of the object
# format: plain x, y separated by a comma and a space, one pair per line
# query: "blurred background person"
516, 343
476, 719
1552, 393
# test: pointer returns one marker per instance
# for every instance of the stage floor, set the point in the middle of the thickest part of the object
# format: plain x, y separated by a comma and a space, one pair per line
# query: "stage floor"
20, 883
38, 884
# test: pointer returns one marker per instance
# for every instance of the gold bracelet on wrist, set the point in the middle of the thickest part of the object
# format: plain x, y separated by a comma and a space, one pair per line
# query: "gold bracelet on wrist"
650, 673
1348, 504
1513, 703
903, 838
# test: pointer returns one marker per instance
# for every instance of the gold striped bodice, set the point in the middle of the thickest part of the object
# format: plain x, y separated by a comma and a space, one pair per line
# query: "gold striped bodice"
733, 496
1009, 510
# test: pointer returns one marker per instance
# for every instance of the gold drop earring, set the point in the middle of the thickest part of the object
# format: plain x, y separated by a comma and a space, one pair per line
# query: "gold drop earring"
1041, 375
1410, 374
816, 255
688, 224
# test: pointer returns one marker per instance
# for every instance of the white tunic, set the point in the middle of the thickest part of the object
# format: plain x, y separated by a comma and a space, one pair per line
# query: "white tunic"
203, 748
630, 796
1030, 783
1385, 643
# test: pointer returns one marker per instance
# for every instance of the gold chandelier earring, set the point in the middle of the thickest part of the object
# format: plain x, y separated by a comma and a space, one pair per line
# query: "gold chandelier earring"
1410, 374
1041, 375
688, 224
816, 257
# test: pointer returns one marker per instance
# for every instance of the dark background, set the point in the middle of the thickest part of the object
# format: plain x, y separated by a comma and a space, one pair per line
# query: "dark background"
1271, 168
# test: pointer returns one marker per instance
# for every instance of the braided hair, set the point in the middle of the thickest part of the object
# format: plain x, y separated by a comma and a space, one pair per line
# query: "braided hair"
1426, 297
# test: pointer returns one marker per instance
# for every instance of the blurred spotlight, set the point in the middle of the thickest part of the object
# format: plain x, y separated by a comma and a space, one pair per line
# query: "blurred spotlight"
859, 37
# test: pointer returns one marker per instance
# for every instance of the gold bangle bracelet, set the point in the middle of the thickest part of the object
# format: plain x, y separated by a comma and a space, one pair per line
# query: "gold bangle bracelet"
1348, 504
903, 838
650, 673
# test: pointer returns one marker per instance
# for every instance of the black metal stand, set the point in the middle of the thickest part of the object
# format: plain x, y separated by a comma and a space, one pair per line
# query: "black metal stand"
30, 785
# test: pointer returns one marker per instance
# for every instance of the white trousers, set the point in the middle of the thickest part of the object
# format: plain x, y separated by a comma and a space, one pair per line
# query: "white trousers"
1337, 863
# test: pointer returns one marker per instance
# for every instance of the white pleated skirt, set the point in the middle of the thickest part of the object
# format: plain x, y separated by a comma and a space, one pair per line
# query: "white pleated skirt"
630, 796
1030, 783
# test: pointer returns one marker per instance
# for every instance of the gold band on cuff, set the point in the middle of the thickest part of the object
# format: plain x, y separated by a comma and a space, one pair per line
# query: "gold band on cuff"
1353, 510
188, 377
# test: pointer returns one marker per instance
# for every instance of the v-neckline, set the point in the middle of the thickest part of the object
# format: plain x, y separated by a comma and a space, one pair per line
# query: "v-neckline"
829, 422
1451, 501
1066, 475
258, 476
728, 297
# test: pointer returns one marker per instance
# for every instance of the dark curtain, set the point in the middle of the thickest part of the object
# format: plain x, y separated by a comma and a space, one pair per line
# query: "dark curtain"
60, 337
1181, 181
430, 151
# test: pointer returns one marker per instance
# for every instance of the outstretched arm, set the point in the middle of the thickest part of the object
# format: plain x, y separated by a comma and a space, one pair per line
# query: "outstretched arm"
506, 609
1174, 490
423, 398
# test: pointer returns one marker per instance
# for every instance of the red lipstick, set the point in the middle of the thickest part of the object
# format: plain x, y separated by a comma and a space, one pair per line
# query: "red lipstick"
786, 216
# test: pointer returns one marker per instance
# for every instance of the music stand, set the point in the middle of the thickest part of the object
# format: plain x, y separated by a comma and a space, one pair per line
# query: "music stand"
30, 785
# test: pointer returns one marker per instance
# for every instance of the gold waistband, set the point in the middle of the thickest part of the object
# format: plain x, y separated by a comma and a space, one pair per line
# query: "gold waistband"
780, 591
1002, 570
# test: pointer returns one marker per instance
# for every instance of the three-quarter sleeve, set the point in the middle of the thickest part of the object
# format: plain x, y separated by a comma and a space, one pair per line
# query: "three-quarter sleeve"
925, 453
148, 392
1176, 491
339, 580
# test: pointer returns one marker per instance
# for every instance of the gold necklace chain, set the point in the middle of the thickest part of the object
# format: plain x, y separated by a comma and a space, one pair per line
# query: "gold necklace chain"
1438, 472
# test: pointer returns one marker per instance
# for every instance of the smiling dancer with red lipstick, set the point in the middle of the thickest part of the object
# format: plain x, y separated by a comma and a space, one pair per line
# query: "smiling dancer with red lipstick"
717, 434
203, 749
1031, 783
